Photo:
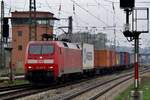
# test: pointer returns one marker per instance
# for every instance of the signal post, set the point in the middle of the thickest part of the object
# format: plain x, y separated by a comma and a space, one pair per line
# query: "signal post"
133, 35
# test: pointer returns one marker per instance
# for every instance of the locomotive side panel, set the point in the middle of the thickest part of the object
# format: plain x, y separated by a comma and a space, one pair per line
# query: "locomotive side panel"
70, 59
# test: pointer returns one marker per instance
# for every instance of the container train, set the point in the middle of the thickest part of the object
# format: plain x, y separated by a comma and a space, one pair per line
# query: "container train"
48, 61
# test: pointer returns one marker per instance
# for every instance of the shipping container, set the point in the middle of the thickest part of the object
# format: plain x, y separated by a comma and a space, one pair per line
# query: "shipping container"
113, 58
88, 56
117, 58
131, 58
122, 58
103, 58
96, 58
127, 58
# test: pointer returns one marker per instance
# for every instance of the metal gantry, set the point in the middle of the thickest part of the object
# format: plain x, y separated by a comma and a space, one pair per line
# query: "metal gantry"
32, 20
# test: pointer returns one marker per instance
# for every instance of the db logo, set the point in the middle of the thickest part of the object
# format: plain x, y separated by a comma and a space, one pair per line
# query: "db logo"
40, 61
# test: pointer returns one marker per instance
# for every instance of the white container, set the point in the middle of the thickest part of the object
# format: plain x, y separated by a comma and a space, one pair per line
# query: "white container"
88, 56
132, 58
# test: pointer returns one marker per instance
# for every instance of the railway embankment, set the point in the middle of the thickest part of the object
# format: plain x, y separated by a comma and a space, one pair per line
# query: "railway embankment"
144, 86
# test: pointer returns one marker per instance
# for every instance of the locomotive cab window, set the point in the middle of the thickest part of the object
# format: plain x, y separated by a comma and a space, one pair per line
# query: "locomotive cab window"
46, 49
35, 49
41, 49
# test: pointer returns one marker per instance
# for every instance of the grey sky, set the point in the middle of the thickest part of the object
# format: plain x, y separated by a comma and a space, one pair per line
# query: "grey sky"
88, 13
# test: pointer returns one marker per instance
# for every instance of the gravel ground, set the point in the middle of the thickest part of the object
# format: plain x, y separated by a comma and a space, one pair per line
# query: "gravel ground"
56, 93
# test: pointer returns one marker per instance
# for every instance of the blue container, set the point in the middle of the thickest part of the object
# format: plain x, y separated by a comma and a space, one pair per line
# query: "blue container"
122, 58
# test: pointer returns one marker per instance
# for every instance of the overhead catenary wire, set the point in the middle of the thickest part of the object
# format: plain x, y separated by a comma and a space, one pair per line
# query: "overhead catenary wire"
74, 12
76, 16
100, 20
108, 10
110, 1
46, 2
66, 12
25, 2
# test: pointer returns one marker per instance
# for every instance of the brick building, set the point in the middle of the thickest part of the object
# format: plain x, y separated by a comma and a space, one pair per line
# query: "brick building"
20, 33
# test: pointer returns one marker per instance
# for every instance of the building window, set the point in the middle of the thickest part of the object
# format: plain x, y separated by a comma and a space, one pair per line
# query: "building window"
20, 21
19, 47
19, 33
46, 22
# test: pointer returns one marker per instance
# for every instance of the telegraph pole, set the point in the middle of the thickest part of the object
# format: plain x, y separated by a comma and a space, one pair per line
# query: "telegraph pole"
114, 24
1, 38
2, 17
70, 27
32, 19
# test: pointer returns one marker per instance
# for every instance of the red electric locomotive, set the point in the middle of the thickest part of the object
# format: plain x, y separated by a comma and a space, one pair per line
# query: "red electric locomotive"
48, 61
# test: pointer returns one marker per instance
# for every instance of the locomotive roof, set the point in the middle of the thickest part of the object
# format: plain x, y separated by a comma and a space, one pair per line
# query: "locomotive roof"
59, 43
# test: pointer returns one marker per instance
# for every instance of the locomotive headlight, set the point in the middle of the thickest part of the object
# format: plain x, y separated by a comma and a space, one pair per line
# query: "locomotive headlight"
29, 67
51, 67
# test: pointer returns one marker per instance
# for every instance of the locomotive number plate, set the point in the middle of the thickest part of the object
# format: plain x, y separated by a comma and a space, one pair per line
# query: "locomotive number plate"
40, 61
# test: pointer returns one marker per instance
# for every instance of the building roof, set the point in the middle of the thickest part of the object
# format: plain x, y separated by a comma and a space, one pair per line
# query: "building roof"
25, 15
52, 18
26, 12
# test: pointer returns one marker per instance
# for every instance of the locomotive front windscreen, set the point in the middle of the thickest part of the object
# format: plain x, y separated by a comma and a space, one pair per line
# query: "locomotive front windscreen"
41, 49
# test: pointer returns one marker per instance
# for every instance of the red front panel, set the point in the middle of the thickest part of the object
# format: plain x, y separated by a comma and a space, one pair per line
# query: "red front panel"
40, 56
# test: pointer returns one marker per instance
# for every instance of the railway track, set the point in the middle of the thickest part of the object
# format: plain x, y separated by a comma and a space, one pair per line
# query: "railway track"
74, 92
7, 88
94, 90
7, 92
81, 92
100, 90
111, 86
14, 92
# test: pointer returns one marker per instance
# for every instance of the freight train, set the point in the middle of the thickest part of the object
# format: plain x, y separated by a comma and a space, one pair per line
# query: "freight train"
48, 61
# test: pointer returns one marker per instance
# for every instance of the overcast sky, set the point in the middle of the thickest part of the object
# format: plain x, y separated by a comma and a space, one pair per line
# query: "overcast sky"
88, 15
